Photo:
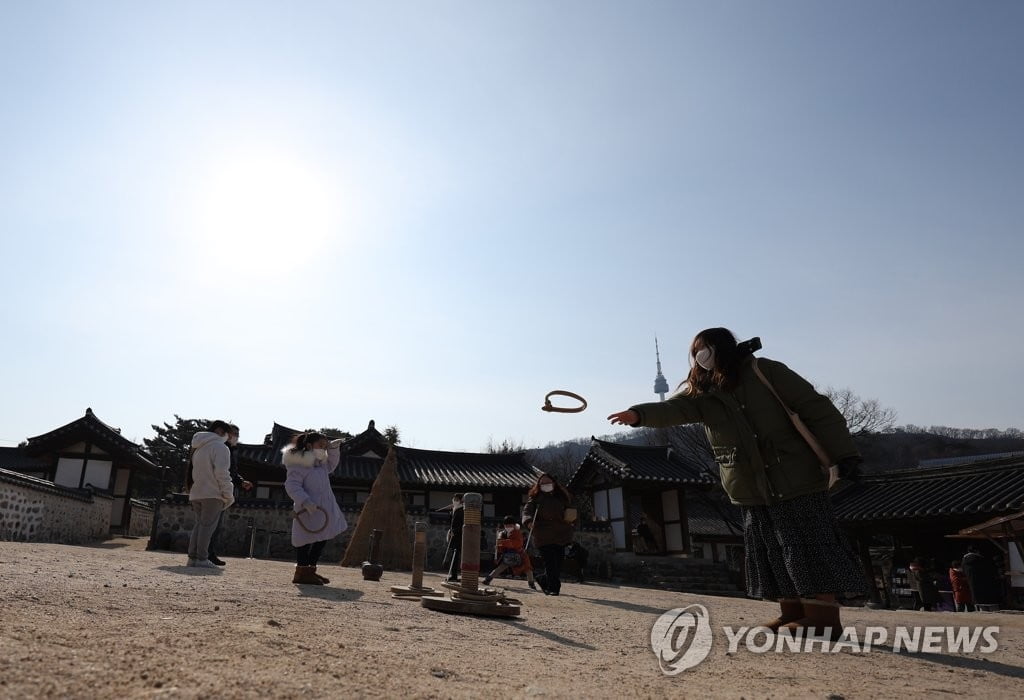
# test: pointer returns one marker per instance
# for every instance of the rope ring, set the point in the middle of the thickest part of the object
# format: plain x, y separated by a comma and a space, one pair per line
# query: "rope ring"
558, 409
327, 520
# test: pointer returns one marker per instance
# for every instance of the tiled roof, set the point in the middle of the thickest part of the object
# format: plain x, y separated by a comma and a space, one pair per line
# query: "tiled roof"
370, 440
464, 469
642, 463
713, 518
15, 459
92, 429
45, 486
416, 467
992, 487
969, 459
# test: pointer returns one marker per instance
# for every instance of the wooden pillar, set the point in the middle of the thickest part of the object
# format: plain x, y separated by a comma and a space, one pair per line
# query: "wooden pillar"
869, 569
684, 520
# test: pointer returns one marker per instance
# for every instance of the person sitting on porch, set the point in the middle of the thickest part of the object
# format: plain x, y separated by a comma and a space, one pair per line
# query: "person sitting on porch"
510, 553
646, 535
795, 552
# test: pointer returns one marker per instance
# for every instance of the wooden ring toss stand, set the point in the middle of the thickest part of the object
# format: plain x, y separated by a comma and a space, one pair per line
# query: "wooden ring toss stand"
467, 597
419, 552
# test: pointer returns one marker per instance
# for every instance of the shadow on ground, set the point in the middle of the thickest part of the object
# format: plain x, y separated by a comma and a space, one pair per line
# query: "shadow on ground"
337, 595
966, 662
191, 570
547, 635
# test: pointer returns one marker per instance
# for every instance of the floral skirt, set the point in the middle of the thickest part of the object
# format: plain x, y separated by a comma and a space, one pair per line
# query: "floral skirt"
796, 549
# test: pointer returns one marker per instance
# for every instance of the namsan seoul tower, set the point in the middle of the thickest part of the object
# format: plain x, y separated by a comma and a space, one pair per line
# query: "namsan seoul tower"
660, 383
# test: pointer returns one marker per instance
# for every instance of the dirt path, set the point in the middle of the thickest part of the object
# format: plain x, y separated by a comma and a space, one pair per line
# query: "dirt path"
115, 621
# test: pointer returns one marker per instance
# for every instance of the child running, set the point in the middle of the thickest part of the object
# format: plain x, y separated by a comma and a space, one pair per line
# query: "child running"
510, 553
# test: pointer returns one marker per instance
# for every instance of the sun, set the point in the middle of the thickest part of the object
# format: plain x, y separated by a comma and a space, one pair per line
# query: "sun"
261, 208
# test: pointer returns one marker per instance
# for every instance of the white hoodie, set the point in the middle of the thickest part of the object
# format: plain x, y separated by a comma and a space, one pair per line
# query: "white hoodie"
211, 469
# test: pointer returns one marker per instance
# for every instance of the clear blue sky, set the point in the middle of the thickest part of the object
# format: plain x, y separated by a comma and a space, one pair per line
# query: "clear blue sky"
430, 214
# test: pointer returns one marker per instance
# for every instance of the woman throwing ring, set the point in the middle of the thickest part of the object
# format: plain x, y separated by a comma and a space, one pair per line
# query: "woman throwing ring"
795, 552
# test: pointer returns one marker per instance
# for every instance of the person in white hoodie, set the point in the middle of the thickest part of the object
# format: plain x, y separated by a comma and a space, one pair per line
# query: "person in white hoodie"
310, 459
211, 491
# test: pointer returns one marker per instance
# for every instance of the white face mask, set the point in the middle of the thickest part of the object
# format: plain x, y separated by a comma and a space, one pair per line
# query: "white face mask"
547, 488
705, 357
509, 529
320, 454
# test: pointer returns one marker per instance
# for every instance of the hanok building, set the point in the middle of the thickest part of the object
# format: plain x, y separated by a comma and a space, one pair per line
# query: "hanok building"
628, 484
429, 478
901, 515
87, 454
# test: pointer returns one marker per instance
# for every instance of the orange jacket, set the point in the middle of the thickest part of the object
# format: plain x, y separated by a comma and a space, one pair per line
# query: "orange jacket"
513, 542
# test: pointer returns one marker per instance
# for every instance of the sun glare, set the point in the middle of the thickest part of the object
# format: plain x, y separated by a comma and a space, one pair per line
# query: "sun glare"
260, 208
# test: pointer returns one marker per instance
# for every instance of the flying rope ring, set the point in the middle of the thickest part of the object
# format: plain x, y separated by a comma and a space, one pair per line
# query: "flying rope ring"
558, 409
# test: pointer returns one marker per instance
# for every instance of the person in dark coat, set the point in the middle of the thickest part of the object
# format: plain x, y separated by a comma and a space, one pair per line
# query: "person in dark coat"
796, 553
238, 482
922, 582
982, 576
455, 537
544, 514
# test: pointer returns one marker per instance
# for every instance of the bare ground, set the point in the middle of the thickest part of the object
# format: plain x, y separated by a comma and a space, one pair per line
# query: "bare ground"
114, 620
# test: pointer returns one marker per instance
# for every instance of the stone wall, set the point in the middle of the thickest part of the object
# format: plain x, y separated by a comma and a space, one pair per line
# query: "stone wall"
273, 522
141, 523
36, 510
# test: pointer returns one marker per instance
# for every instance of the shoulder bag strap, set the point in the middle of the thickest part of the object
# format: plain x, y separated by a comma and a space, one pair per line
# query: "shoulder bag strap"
800, 426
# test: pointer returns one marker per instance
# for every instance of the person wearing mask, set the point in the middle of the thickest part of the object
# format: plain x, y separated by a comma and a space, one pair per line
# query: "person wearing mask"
510, 553
239, 484
455, 538
310, 460
210, 491
544, 515
796, 553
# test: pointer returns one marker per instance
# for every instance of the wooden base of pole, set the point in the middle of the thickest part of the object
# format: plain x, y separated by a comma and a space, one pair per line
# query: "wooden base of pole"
413, 591
497, 608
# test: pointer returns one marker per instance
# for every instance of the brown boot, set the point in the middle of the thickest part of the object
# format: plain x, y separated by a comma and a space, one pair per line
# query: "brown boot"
791, 611
323, 579
821, 619
306, 574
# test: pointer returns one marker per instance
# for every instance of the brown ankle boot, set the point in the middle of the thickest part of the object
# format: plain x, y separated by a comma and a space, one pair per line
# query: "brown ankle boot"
791, 611
306, 574
323, 579
821, 619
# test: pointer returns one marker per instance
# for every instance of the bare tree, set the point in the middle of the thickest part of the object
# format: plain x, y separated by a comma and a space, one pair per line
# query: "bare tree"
506, 446
862, 416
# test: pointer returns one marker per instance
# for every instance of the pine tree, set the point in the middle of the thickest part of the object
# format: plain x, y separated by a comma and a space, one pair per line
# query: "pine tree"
170, 446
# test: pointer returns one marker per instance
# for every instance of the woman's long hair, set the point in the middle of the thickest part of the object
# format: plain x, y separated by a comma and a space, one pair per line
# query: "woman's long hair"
559, 489
304, 442
725, 375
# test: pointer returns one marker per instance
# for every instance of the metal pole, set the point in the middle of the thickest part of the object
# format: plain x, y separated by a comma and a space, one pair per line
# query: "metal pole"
156, 509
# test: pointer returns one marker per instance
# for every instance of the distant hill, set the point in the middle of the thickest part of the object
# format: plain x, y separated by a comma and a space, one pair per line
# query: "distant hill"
881, 451
900, 450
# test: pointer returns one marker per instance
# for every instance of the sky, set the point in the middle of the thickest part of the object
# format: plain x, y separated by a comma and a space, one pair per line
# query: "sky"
430, 214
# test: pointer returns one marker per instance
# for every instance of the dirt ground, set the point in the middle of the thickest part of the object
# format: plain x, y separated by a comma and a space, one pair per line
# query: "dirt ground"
114, 620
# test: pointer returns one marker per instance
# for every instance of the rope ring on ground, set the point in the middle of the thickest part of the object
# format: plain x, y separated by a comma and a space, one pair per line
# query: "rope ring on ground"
559, 409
